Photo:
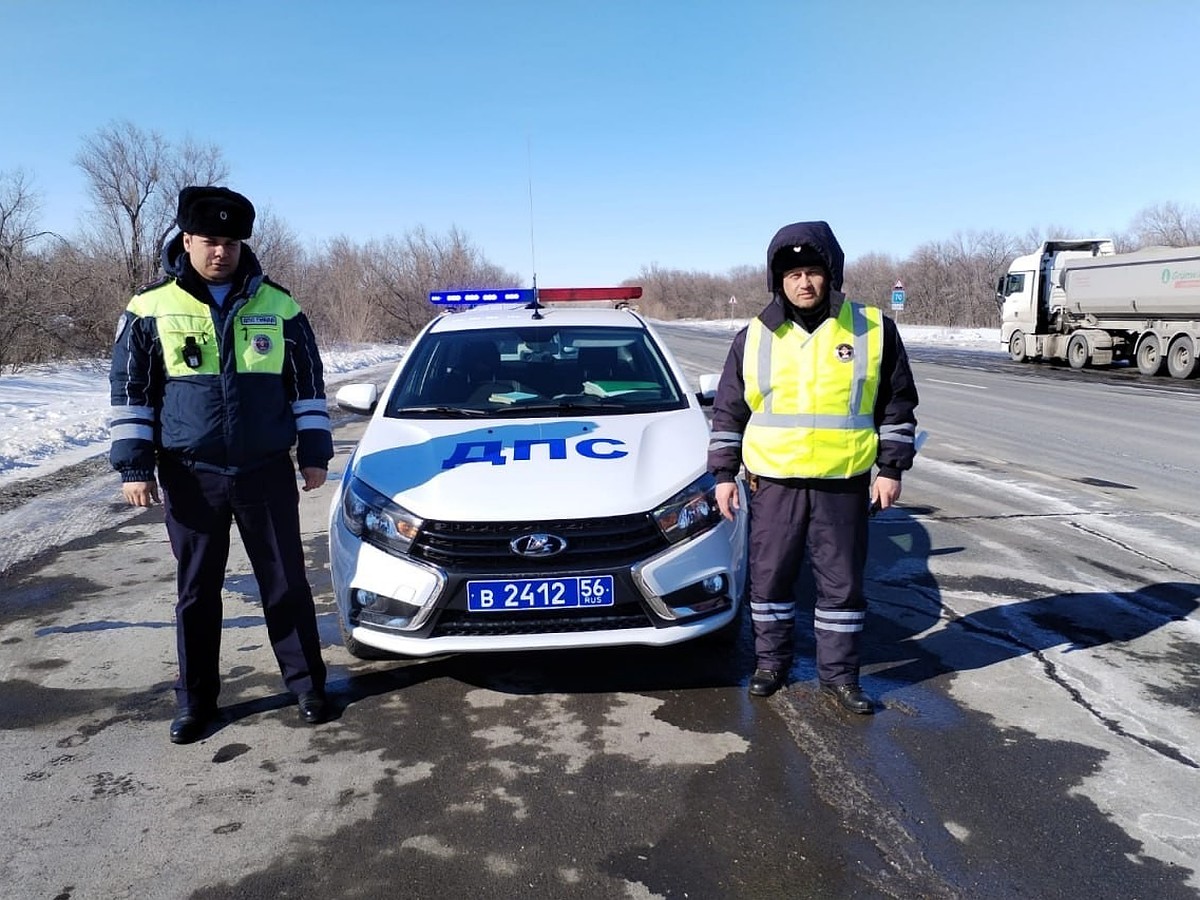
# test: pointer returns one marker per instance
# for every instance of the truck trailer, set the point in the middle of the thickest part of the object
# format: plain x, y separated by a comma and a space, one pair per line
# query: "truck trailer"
1083, 303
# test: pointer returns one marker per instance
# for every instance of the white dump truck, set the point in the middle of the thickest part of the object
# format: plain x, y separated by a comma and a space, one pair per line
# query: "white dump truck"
1082, 302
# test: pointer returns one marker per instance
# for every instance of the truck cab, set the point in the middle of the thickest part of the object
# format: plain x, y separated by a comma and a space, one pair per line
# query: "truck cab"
1030, 296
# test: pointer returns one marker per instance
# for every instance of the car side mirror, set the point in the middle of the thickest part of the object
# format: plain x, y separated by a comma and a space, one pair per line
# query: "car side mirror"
358, 398
708, 389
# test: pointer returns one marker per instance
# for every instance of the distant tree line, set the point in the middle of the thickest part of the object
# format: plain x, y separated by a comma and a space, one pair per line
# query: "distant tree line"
61, 296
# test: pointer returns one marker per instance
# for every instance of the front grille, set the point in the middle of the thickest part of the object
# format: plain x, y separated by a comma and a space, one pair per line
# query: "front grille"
592, 544
458, 623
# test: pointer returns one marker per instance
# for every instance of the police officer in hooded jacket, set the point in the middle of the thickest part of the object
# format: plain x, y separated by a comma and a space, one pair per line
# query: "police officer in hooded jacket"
816, 394
215, 376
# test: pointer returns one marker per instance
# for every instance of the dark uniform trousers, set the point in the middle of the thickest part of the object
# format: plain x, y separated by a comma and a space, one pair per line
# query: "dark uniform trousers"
830, 522
199, 508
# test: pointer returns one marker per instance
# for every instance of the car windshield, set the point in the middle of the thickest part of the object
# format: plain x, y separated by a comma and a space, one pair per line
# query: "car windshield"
536, 371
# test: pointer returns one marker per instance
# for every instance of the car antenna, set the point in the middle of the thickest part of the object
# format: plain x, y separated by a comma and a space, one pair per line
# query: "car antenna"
535, 306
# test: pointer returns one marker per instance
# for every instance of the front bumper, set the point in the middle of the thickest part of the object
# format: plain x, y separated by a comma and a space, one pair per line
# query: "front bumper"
416, 609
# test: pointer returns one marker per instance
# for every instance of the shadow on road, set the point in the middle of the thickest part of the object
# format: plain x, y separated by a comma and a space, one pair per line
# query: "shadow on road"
907, 601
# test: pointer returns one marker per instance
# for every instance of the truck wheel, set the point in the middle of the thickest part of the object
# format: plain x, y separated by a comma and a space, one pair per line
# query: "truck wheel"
1181, 357
1149, 356
1016, 347
1077, 351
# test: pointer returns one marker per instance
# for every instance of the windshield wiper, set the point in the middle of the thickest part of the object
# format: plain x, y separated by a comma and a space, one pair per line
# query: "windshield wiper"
448, 411
574, 403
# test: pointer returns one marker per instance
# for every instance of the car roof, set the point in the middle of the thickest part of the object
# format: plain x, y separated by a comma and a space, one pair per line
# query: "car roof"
493, 316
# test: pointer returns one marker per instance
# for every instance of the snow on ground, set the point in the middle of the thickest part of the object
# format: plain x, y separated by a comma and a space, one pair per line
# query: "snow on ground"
927, 335
56, 415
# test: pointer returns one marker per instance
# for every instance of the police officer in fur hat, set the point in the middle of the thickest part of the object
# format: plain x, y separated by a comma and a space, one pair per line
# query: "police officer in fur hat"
816, 393
215, 378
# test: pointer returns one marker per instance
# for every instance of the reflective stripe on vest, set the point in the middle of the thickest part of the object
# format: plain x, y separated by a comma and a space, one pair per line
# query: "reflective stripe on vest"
812, 396
257, 330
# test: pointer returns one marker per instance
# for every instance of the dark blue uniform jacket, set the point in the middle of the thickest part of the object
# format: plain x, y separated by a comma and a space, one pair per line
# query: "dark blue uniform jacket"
230, 422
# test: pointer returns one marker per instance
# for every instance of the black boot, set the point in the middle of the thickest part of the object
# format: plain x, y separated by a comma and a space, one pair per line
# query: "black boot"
850, 697
191, 723
765, 682
313, 708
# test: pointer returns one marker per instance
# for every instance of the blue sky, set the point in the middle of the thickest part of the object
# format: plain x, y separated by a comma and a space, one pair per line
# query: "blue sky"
681, 134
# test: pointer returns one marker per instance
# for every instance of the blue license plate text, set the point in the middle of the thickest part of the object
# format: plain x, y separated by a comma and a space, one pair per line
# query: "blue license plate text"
540, 593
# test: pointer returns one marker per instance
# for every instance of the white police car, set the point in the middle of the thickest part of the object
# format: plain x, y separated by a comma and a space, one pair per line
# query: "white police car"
532, 477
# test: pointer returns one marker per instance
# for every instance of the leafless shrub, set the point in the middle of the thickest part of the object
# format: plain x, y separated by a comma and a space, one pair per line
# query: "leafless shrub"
134, 178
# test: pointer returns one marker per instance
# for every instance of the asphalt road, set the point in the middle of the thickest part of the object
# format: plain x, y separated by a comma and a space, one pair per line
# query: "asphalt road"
1032, 643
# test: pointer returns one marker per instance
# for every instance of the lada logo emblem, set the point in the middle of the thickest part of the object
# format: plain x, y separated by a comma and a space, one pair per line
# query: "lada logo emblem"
538, 544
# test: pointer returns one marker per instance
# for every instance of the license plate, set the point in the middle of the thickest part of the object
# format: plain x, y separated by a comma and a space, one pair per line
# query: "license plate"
540, 593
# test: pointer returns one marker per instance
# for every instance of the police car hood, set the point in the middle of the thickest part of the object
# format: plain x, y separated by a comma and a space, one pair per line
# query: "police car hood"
533, 469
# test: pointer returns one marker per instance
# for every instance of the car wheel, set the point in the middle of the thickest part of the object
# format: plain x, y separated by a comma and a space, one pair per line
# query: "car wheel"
358, 649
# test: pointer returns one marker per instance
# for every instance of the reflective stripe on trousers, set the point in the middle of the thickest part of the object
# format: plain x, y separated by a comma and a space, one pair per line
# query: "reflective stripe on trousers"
829, 525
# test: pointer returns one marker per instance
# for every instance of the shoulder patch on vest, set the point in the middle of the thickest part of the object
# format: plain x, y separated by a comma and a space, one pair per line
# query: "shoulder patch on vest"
275, 284
151, 285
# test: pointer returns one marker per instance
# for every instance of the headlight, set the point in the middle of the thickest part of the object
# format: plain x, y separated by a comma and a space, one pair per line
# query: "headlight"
692, 511
377, 520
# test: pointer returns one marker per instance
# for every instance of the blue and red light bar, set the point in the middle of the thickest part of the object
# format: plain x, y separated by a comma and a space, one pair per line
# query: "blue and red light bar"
476, 298
532, 295
557, 295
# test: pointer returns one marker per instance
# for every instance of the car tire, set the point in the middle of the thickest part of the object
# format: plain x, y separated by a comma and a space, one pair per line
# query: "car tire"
729, 633
358, 649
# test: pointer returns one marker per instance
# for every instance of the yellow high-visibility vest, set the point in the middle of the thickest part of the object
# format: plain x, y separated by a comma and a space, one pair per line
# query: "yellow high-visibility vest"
812, 396
257, 332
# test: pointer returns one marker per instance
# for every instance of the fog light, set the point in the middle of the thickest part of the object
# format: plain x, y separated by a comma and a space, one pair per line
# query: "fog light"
706, 595
370, 608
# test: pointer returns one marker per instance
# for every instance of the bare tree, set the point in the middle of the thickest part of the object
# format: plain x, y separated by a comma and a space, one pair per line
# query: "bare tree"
1036, 236
278, 249
333, 292
401, 273
1167, 225
25, 314
134, 178
380, 291
952, 282
870, 278
19, 205
190, 163
656, 289
60, 299
679, 294
749, 285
